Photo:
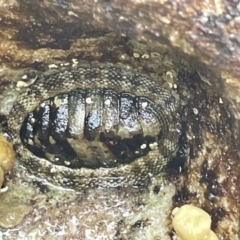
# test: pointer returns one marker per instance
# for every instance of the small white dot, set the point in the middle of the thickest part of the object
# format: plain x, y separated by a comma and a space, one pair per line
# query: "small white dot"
107, 102
52, 170
143, 146
32, 120
88, 100
74, 60
24, 77
144, 104
67, 163
195, 111
153, 145
43, 104
52, 66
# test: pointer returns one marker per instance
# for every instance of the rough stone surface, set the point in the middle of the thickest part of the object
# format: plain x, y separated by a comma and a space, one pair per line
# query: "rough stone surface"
206, 31
205, 172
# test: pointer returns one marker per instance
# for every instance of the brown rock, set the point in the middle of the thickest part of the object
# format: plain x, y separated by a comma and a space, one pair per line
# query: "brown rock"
205, 33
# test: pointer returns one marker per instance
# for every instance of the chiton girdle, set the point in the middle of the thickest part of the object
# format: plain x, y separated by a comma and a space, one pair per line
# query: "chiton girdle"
103, 153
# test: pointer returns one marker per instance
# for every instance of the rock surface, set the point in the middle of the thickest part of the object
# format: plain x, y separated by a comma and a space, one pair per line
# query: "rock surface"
205, 31
201, 66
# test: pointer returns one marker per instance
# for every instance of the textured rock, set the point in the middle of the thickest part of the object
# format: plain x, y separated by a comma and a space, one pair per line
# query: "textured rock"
206, 31
206, 170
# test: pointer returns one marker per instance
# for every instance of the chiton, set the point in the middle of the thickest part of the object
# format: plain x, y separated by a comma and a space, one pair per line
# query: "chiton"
98, 126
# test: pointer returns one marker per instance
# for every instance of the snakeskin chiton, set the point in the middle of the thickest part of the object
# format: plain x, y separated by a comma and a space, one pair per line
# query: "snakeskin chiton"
95, 126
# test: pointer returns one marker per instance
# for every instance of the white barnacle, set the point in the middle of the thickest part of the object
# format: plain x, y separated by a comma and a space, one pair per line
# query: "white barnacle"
145, 56
52, 66
43, 104
52, 170
30, 141
195, 111
153, 146
66, 64
144, 104
143, 146
107, 102
75, 62
59, 101
24, 77
169, 74
32, 120
88, 100
67, 163
71, 13
136, 55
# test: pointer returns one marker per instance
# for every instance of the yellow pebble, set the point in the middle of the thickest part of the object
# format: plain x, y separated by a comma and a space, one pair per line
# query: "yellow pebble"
7, 155
191, 222
1, 177
211, 236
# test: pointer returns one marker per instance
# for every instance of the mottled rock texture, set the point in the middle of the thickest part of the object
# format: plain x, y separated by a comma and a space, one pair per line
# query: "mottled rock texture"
201, 66
205, 31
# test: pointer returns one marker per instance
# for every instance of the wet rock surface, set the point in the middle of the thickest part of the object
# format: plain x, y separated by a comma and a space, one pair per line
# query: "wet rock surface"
205, 171
207, 32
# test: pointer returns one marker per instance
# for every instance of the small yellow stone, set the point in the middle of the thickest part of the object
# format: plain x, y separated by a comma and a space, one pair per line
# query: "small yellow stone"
191, 222
7, 155
211, 236
1, 176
